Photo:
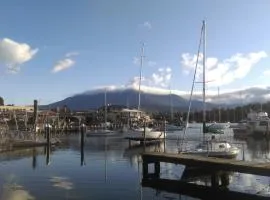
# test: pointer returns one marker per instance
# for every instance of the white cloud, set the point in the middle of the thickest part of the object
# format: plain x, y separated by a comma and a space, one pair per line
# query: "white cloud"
160, 78
14, 54
222, 72
249, 94
147, 25
63, 65
73, 53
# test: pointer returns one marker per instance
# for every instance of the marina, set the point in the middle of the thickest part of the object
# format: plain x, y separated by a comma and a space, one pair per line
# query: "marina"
136, 100
81, 166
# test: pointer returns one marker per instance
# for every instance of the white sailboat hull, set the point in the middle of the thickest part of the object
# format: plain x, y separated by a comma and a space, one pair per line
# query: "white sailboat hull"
230, 153
149, 134
215, 149
100, 132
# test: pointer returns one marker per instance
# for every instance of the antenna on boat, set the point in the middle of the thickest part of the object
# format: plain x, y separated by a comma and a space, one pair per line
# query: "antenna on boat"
204, 60
140, 80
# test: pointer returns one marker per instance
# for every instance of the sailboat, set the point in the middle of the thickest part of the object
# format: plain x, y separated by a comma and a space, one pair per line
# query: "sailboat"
146, 132
213, 147
104, 130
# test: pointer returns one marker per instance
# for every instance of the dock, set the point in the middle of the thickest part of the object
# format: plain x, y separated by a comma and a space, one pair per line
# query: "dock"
218, 170
262, 169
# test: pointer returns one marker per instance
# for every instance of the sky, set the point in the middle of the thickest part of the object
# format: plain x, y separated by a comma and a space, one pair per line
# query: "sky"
50, 50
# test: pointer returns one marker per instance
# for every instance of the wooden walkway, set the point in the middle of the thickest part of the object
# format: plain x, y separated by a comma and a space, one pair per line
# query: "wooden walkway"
216, 166
262, 169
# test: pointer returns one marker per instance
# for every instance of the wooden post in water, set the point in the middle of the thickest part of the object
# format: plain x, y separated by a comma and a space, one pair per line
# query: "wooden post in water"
35, 116
214, 180
225, 179
157, 169
145, 169
48, 143
48, 133
83, 130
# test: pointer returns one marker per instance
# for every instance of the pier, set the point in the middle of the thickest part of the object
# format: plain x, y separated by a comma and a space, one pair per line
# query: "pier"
262, 169
217, 169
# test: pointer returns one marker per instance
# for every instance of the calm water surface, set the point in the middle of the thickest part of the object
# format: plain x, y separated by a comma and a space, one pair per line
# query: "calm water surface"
109, 169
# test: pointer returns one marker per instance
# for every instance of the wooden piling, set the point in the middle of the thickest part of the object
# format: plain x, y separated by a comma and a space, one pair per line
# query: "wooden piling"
157, 170
145, 169
83, 130
35, 116
48, 143
48, 133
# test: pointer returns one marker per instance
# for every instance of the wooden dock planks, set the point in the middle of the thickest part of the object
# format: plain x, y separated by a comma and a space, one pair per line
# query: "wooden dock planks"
262, 169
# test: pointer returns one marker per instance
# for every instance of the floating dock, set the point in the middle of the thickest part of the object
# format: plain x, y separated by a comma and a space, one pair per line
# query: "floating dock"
217, 167
262, 169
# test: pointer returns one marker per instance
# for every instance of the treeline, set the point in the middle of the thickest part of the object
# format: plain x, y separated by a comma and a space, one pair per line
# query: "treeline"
218, 115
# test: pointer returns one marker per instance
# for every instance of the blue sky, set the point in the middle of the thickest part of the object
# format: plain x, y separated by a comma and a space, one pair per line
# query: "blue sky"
105, 38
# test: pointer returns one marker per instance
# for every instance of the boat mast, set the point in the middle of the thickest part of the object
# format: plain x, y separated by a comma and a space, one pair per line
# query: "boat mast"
192, 87
140, 80
218, 107
171, 104
204, 59
242, 111
105, 107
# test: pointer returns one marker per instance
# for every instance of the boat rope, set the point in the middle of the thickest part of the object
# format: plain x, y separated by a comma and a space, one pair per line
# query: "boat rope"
192, 88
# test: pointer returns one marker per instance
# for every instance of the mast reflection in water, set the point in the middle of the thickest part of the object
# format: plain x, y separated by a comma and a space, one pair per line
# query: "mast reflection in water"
113, 171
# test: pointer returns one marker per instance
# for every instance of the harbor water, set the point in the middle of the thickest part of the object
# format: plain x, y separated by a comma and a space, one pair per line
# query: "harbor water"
111, 168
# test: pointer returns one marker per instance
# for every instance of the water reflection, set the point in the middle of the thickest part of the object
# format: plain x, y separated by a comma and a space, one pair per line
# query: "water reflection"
113, 170
133, 151
34, 162
62, 182
258, 149
12, 191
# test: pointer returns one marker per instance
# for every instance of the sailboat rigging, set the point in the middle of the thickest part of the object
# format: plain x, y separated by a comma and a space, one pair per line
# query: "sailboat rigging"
140, 78
145, 131
217, 148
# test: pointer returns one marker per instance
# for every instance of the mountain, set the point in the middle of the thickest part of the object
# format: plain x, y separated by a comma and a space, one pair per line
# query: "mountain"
129, 98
